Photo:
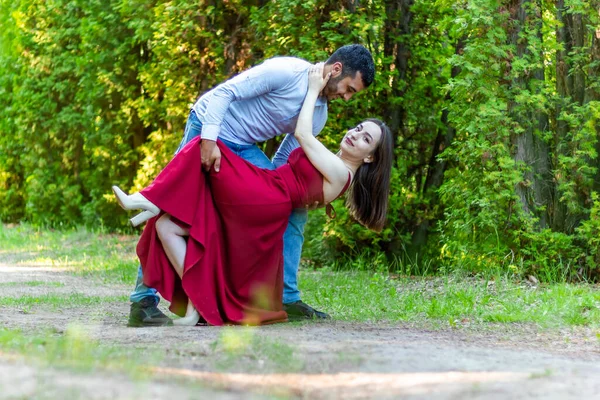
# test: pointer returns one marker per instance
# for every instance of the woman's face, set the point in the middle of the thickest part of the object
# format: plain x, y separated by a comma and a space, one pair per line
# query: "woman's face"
360, 142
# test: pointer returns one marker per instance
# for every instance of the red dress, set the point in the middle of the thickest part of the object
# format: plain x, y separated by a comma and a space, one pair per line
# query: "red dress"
233, 269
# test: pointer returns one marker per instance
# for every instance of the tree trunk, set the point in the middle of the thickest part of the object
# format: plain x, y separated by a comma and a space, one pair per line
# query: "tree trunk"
397, 31
570, 86
395, 45
534, 191
593, 94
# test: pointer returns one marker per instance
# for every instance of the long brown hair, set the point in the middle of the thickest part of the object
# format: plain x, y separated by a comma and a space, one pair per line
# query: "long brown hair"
367, 198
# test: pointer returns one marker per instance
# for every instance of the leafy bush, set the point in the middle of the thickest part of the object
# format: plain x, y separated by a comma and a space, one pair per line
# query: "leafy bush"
494, 110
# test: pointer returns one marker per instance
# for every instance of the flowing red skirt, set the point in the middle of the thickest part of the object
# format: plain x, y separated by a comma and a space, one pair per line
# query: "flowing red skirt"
233, 270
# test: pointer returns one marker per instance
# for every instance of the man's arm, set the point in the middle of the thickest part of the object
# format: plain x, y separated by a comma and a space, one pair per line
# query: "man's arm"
254, 82
290, 143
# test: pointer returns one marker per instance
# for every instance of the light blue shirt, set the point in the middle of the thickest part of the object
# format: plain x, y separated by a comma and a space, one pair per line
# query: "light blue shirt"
259, 104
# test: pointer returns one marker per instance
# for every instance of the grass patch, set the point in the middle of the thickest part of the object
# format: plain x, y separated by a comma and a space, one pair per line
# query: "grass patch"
58, 301
74, 350
451, 301
110, 258
243, 349
32, 284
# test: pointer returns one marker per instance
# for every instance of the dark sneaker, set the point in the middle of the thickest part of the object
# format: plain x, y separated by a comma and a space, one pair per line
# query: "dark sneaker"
299, 309
146, 313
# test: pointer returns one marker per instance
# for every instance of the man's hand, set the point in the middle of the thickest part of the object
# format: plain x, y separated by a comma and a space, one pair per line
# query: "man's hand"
211, 155
311, 207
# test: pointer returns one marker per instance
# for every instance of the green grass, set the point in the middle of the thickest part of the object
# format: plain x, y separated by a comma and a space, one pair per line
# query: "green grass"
58, 301
74, 350
451, 301
442, 301
31, 284
108, 257
241, 348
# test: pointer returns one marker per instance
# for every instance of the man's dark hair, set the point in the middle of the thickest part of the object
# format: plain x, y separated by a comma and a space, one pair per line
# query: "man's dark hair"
355, 58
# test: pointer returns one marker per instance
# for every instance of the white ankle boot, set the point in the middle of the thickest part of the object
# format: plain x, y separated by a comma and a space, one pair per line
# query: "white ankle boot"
136, 201
190, 319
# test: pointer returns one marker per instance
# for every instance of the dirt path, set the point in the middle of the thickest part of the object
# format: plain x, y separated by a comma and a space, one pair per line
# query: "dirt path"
334, 359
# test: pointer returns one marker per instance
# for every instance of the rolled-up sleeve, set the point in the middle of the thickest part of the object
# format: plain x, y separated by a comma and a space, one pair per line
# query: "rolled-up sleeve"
256, 81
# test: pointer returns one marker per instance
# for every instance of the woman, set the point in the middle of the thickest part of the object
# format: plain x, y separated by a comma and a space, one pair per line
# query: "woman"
221, 233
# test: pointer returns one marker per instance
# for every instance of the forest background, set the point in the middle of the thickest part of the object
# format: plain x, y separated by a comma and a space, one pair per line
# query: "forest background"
494, 105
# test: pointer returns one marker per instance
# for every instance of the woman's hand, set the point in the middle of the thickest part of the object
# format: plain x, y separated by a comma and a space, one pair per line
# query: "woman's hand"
316, 80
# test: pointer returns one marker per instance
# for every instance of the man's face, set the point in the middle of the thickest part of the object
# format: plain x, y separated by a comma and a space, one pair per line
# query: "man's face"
343, 88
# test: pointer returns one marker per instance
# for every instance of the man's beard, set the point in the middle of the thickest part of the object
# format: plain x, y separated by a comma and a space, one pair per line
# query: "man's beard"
331, 88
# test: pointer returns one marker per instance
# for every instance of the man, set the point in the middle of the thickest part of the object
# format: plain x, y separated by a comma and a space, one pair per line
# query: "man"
254, 106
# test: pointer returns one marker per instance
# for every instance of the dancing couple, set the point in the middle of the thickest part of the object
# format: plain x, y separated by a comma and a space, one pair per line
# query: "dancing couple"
225, 225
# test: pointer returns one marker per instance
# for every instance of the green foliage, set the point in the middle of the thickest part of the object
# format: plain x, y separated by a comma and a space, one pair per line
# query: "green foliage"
551, 256
187, 48
495, 212
494, 110
589, 234
73, 79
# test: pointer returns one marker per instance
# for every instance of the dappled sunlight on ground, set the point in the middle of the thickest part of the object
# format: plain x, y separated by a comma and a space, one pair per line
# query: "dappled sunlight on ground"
345, 385
43, 279
41, 300
34, 267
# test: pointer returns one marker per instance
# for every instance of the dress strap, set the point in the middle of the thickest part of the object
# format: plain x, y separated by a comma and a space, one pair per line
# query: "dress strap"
346, 186
329, 210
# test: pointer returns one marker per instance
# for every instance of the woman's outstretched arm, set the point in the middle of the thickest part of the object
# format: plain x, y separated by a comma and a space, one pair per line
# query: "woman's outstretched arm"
328, 164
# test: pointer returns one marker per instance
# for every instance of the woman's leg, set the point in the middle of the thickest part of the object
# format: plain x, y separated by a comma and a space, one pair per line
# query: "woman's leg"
173, 239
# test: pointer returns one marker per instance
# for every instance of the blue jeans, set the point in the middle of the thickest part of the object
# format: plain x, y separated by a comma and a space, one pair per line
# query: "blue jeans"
293, 237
